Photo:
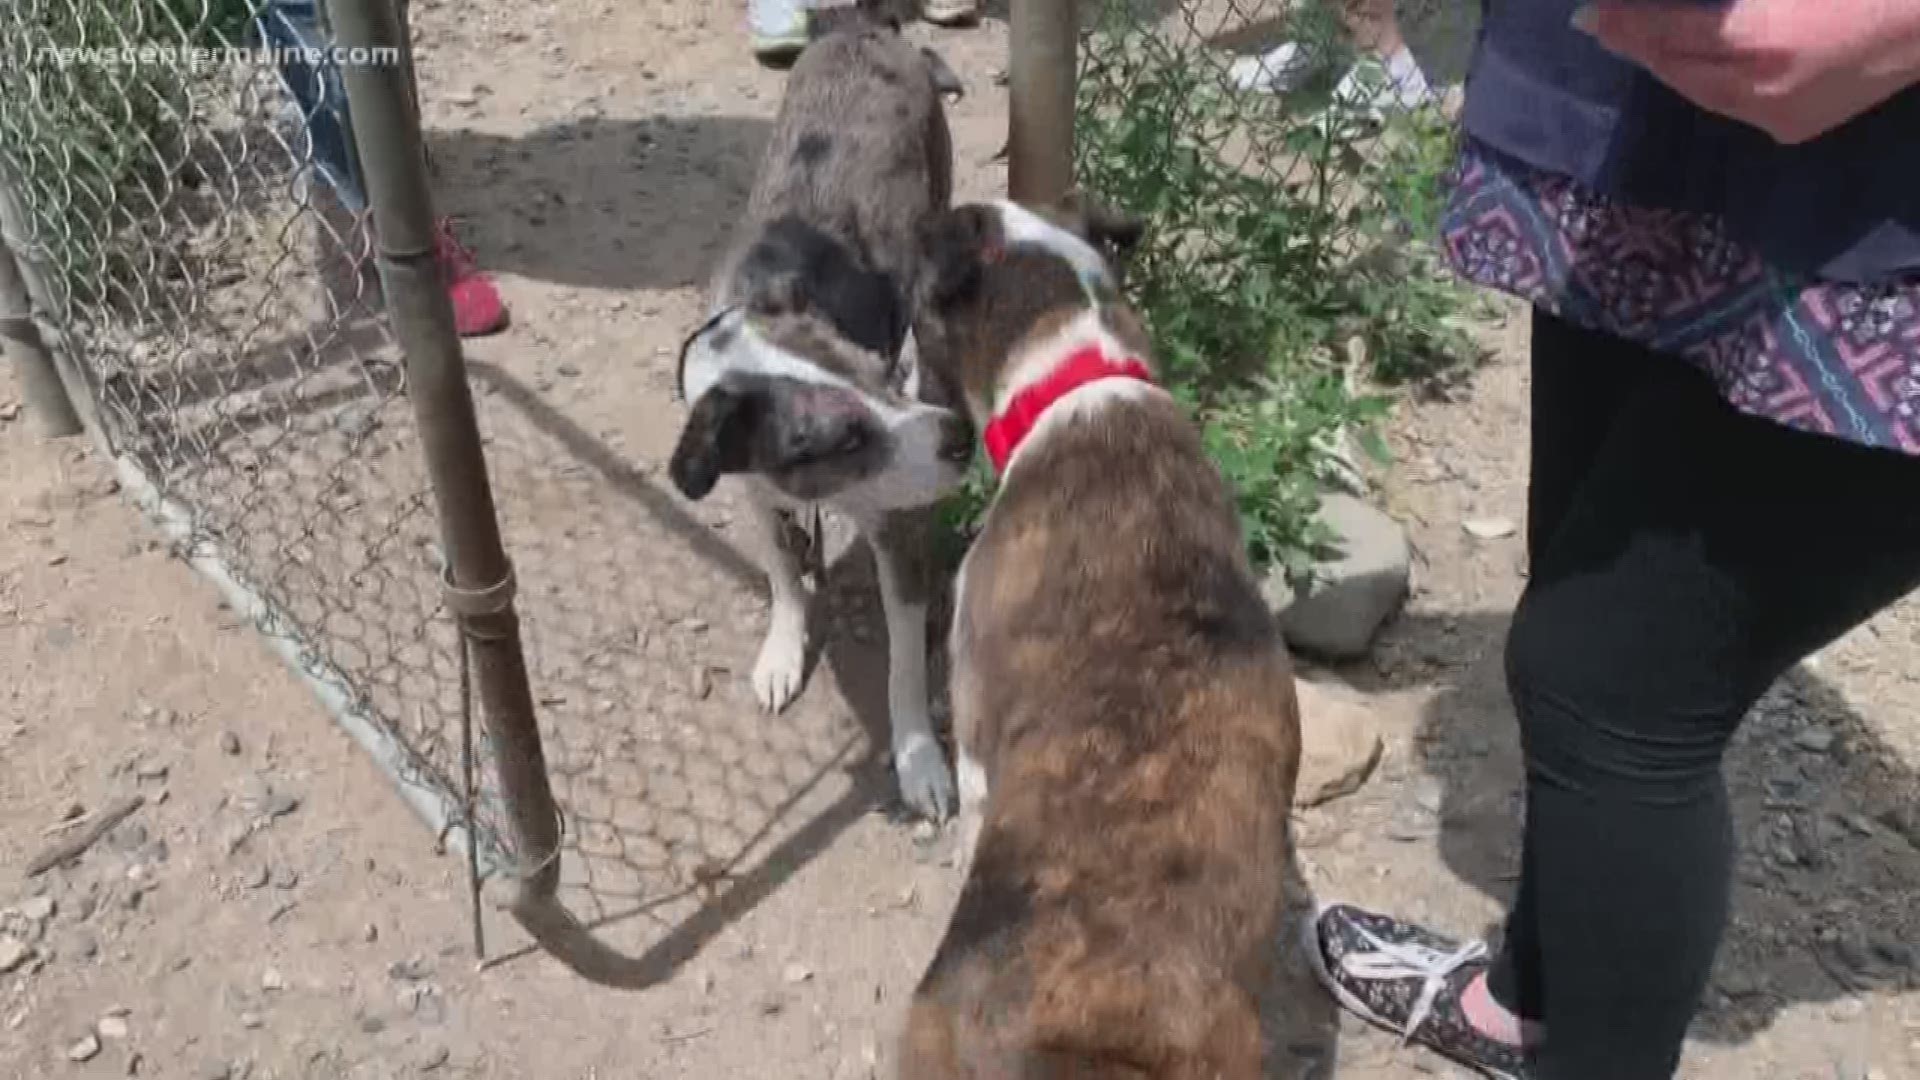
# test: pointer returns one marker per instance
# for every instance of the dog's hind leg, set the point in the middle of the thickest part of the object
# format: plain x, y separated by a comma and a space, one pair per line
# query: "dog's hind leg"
781, 667
901, 551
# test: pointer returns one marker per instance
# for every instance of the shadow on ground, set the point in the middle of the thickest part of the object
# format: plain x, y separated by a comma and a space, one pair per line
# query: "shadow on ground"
1298, 1017
614, 203
1829, 855
686, 806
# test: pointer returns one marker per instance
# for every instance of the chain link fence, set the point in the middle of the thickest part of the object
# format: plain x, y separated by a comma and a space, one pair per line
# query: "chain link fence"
211, 289
201, 258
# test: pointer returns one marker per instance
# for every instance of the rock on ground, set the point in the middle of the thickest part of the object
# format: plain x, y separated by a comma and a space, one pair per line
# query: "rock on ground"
13, 953
1340, 743
1354, 592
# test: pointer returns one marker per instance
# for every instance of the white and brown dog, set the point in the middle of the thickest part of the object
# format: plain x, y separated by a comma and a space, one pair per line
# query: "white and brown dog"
1123, 701
804, 385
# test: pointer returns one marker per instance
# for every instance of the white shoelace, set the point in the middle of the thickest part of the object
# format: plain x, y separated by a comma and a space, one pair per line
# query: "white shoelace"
1390, 960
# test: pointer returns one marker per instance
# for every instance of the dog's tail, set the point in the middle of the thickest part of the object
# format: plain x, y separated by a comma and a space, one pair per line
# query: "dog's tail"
946, 82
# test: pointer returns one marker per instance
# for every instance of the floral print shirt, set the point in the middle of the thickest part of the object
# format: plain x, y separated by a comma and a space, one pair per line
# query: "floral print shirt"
1837, 359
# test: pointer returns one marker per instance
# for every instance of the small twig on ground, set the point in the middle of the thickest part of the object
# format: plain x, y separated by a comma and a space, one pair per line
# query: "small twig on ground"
75, 846
684, 1036
73, 822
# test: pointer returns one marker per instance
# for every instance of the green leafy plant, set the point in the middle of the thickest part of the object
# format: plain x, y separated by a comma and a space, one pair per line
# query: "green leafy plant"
99, 143
1285, 274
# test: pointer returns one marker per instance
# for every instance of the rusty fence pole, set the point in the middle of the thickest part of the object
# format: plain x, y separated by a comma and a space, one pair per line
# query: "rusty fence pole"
479, 580
1043, 38
47, 397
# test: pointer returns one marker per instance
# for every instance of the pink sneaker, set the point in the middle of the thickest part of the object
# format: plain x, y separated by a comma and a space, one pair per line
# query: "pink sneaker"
477, 307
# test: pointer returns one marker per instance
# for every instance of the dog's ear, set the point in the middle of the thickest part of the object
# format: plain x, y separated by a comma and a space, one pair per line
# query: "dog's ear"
781, 293
716, 441
955, 245
946, 82
1115, 233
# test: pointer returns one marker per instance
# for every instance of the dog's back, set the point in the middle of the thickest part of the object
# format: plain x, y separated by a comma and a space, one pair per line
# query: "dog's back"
860, 154
1132, 702
1131, 860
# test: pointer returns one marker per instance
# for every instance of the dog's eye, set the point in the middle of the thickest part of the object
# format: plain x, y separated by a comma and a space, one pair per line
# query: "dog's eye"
852, 442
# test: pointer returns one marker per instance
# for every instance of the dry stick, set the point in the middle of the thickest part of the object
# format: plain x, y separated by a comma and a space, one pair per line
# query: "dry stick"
684, 1036
75, 846
73, 822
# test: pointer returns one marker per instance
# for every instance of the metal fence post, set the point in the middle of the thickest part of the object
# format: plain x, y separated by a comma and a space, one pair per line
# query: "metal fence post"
1040, 79
46, 396
479, 584
479, 579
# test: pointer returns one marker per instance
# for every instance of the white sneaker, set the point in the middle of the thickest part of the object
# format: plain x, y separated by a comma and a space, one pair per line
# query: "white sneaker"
1279, 70
778, 28
1376, 86
950, 12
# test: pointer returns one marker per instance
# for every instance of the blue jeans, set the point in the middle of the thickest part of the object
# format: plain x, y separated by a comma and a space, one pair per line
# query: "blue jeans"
293, 25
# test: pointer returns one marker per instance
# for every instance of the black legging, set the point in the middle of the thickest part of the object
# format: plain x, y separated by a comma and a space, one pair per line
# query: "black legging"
1684, 556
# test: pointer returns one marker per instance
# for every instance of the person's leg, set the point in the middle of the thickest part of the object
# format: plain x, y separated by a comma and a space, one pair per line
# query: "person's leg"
296, 29
1398, 82
478, 308
299, 28
1701, 555
1373, 26
779, 29
1705, 553
1579, 384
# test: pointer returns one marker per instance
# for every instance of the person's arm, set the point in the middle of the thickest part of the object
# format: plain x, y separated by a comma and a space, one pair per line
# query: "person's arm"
1792, 68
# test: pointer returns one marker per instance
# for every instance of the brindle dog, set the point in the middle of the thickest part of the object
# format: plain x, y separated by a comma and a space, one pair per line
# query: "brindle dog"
1123, 701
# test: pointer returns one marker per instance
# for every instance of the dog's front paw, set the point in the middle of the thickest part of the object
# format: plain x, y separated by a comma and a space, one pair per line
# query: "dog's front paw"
781, 668
926, 785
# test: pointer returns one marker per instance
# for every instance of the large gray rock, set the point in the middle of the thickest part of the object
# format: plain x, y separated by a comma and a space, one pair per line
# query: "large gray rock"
1340, 743
1355, 591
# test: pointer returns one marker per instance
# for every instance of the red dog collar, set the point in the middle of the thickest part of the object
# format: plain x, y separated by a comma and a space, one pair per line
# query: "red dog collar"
1011, 427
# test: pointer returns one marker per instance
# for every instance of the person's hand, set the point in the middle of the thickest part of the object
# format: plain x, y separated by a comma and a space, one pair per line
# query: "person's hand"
1795, 69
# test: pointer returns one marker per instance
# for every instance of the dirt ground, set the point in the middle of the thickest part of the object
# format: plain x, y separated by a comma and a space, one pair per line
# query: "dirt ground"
272, 909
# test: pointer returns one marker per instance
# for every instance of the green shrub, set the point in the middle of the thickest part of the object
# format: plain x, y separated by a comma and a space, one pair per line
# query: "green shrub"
96, 146
1285, 275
